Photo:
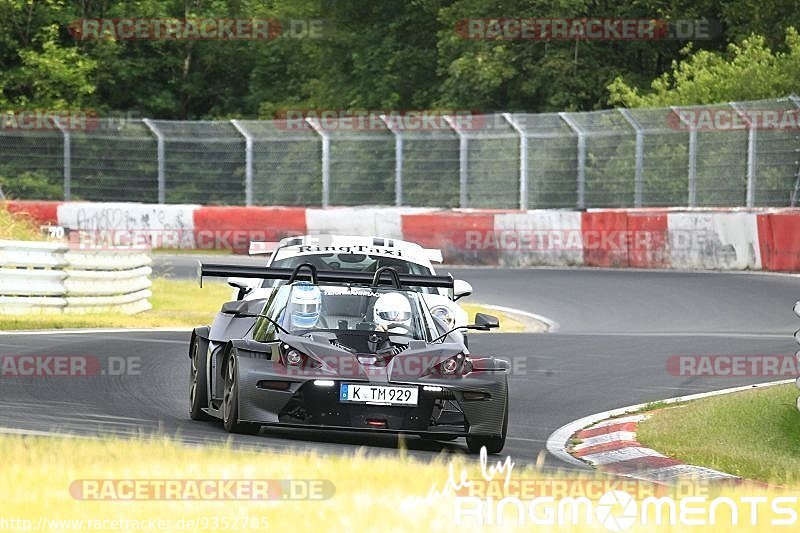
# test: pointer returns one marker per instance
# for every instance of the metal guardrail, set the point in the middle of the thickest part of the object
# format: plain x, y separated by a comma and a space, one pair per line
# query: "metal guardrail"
40, 277
598, 159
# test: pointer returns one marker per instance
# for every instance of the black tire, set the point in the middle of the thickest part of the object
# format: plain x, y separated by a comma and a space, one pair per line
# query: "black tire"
198, 381
230, 402
493, 444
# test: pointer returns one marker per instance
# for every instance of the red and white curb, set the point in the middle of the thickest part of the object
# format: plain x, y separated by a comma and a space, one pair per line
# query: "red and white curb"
607, 442
611, 446
731, 239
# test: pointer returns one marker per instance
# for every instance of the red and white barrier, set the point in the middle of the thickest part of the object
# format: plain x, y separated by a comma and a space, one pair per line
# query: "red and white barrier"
558, 235
779, 240
687, 239
383, 221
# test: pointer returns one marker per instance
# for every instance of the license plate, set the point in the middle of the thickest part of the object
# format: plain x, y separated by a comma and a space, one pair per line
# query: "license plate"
349, 392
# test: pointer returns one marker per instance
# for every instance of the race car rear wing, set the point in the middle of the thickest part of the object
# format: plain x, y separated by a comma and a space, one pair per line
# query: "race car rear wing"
259, 247
433, 255
306, 272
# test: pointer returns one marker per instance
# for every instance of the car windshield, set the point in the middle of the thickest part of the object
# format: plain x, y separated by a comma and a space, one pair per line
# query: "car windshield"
341, 309
352, 263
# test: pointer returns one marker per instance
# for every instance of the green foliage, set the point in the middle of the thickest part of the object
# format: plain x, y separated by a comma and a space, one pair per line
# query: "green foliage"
748, 71
38, 185
388, 55
383, 55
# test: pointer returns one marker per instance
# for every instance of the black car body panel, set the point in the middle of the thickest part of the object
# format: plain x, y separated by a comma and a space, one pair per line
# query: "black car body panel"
471, 401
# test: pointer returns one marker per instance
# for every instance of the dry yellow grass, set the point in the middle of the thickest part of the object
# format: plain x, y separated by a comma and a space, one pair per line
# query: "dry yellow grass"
176, 303
387, 493
16, 226
182, 303
369, 492
509, 323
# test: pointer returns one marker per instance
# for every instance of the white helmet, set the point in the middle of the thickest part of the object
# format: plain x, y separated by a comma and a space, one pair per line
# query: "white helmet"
306, 304
392, 309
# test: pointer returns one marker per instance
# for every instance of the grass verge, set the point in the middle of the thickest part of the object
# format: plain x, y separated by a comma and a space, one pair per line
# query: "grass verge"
48, 477
180, 303
176, 303
509, 322
754, 434
73, 484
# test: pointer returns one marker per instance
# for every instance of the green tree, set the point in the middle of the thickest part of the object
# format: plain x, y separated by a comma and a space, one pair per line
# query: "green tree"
748, 71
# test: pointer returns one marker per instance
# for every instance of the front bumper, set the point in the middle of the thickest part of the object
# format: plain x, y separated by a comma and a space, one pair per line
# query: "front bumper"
304, 403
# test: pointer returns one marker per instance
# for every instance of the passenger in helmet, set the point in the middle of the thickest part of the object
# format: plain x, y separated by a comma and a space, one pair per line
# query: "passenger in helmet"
392, 313
306, 302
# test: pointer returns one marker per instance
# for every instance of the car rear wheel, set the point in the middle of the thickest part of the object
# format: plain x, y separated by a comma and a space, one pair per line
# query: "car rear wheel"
493, 444
198, 381
230, 402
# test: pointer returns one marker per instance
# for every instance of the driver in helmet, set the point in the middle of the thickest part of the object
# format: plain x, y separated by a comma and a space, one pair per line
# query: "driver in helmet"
392, 313
306, 303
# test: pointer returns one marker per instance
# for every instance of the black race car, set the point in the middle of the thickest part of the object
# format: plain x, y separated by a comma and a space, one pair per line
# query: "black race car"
349, 351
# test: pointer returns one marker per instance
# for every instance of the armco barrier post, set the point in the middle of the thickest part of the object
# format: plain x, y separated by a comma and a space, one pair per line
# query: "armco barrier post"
751, 155
796, 101
463, 163
161, 154
638, 176
692, 178
523, 161
398, 161
326, 160
67, 160
581, 158
248, 162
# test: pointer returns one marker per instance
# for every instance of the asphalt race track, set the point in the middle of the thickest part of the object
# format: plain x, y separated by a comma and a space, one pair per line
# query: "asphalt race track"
616, 331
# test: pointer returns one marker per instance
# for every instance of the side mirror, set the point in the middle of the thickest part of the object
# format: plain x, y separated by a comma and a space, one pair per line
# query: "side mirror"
461, 289
485, 322
243, 284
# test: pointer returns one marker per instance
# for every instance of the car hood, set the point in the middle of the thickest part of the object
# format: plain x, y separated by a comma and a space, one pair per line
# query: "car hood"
327, 359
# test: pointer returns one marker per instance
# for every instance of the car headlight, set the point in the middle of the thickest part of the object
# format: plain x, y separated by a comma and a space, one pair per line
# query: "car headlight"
445, 314
293, 358
458, 365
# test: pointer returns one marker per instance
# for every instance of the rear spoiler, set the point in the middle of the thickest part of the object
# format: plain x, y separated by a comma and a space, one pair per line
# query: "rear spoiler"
306, 272
258, 247
434, 255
